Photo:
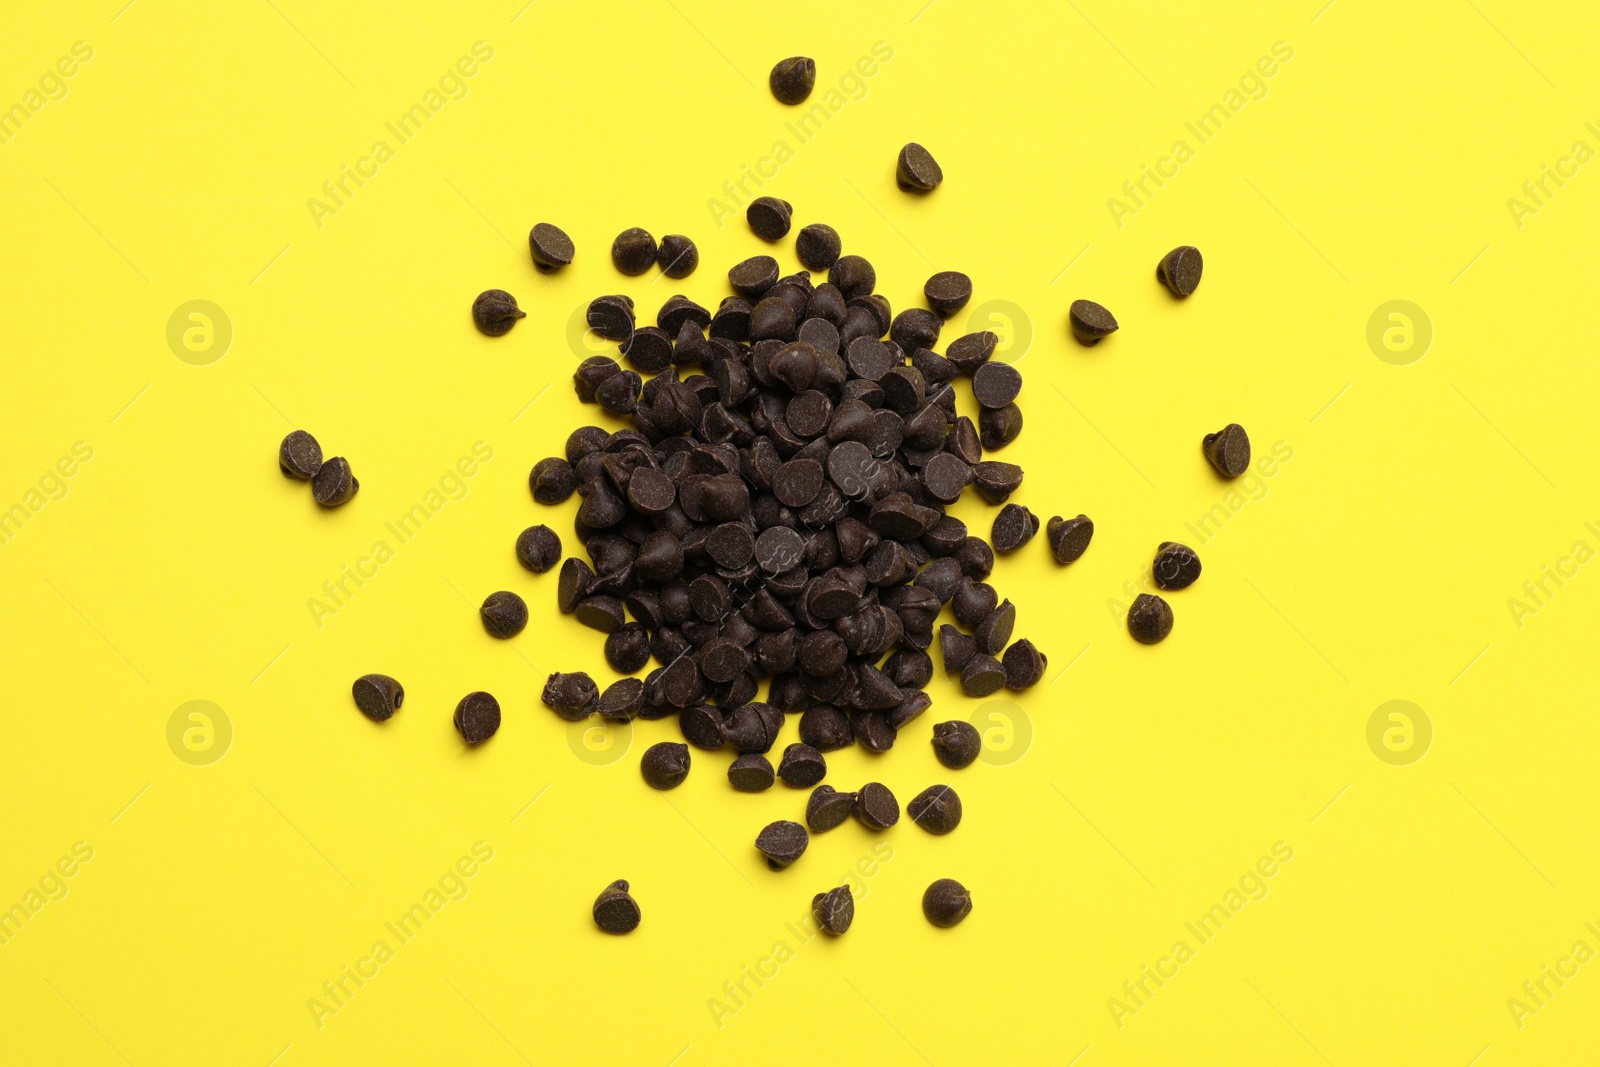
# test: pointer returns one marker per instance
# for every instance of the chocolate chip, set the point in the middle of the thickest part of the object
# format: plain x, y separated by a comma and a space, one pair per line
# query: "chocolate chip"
876, 808
1090, 322
971, 351
937, 809
945, 476
538, 548
477, 717
946, 902
827, 808
853, 276
299, 456
1024, 665
1014, 527
909, 668
834, 910
995, 630
615, 911
504, 614
622, 700
1149, 619
782, 843
1228, 450
701, 724
802, 767
753, 277
974, 601
1179, 270
916, 171
872, 730
791, 79
995, 385
982, 675
1069, 538
551, 481
495, 311
996, 480
998, 427
334, 484
665, 765
627, 648
648, 348
976, 558
1176, 566
825, 728
611, 317
677, 256
572, 696
915, 328
956, 743
634, 251
817, 246
751, 773
948, 292
550, 247
769, 217
378, 696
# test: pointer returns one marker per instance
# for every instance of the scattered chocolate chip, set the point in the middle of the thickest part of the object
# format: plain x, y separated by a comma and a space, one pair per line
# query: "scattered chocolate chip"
622, 700
946, 902
996, 480
753, 277
876, 808
634, 251
956, 648
1228, 450
791, 79
1176, 566
538, 548
782, 843
982, 675
817, 246
802, 766
1179, 270
615, 911
677, 256
769, 217
611, 317
1090, 322
948, 292
937, 809
495, 311
1069, 538
998, 427
956, 743
996, 385
853, 276
299, 456
551, 481
1149, 619
477, 717
504, 614
827, 808
550, 247
834, 910
751, 773
572, 696
665, 765
378, 696
1023, 665
334, 484
916, 171
627, 648
1014, 527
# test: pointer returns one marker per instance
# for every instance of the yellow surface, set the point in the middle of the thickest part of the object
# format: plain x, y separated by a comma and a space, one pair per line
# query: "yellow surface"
1411, 501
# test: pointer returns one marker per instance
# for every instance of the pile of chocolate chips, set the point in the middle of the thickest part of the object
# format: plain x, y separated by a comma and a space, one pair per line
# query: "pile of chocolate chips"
778, 510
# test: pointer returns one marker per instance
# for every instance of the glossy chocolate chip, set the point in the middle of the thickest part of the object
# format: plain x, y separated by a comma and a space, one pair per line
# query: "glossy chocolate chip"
378, 696
1149, 619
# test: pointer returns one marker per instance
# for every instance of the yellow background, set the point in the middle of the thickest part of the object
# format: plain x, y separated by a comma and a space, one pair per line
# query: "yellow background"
1377, 565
